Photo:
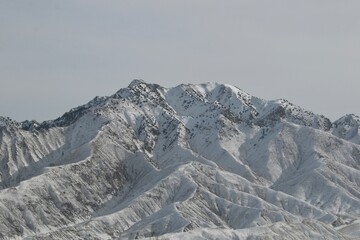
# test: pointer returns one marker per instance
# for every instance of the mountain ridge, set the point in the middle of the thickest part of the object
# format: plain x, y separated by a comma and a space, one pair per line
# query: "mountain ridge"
207, 160
133, 85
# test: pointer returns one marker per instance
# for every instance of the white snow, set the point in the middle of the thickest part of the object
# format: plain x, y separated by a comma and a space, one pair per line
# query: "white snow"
205, 161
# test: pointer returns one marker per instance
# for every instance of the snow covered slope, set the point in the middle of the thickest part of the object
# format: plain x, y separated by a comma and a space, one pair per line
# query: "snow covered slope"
204, 161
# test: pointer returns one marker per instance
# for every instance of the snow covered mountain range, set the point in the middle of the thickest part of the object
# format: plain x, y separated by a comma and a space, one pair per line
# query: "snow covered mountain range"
205, 161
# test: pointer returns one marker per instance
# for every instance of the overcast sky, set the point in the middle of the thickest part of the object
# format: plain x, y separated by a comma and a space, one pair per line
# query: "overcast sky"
55, 55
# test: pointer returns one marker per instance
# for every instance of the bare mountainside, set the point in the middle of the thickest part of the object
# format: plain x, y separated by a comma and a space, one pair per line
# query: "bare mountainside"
205, 161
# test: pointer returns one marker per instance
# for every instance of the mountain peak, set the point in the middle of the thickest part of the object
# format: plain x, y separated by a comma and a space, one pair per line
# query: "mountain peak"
348, 118
136, 82
194, 159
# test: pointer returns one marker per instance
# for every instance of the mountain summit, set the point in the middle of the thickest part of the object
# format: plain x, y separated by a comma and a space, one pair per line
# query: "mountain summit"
206, 161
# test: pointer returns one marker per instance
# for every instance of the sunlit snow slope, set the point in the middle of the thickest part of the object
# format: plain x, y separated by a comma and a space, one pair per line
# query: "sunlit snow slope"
202, 161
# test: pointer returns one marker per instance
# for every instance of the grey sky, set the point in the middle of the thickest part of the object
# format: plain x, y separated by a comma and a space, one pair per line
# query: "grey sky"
55, 55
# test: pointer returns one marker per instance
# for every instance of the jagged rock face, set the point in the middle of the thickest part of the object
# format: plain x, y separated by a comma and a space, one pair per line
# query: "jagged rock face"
202, 161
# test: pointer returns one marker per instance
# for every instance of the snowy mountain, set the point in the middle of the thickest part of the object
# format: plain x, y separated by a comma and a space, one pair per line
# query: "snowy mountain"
204, 161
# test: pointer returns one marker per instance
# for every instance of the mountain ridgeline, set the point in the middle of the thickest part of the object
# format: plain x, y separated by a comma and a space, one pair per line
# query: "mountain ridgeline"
206, 161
